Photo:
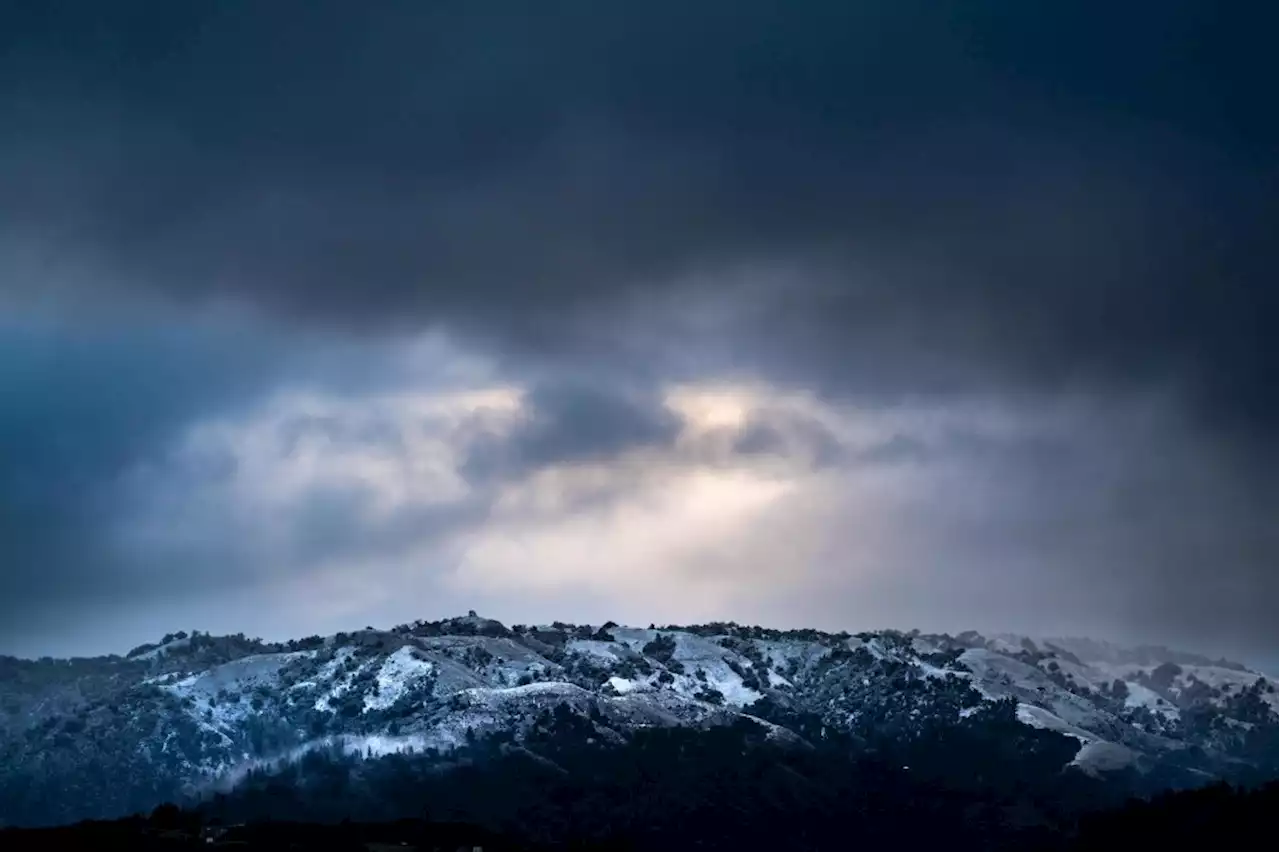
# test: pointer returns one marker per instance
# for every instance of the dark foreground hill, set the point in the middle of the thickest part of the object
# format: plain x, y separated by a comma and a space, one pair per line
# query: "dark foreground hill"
1217, 817
173, 835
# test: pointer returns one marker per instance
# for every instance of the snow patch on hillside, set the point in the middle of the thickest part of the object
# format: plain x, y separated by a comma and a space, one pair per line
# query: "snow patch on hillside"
542, 689
1224, 678
1140, 696
163, 650
623, 686
400, 672
609, 653
336, 675
1100, 756
1038, 717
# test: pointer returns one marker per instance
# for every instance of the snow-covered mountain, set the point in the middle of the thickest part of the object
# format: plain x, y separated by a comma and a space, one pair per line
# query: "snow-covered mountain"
110, 735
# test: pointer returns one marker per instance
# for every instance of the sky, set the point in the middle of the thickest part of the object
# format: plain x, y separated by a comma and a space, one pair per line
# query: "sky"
846, 315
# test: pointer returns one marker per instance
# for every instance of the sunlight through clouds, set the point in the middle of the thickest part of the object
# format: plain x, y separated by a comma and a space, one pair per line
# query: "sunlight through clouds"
633, 543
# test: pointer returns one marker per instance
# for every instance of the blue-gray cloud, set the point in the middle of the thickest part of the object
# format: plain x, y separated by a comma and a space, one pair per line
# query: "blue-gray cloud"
772, 433
984, 206
573, 421
924, 202
83, 406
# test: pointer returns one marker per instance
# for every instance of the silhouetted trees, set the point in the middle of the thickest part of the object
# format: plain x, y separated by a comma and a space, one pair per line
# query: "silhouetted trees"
971, 786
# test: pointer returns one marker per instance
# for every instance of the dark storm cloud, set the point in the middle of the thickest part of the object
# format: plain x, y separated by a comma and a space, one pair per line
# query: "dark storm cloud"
774, 433
92, 419
1116, 529
985, 198
573, 421
991, 194
82, 407
899, 448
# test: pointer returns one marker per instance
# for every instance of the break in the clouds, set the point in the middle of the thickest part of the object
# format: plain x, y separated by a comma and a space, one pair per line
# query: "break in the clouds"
844, 314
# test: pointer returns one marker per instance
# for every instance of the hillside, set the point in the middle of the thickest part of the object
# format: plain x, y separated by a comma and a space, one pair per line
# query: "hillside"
196, 714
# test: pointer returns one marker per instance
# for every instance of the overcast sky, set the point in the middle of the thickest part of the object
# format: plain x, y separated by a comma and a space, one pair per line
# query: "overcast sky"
836, 314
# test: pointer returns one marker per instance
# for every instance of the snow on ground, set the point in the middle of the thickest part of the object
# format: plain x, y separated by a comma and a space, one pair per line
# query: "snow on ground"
542, 689
635, 638
775, 732
332, 673
1221, 677
930, 670
695, 652
718, 677
202, 689
1038, 717
1141, 696
1100, 756
920, 645
1082, 674
330, 669
991, 675
1079, 711
508, 661
246, 671
1041, 718
161, 679
872, 646
623, 686
777, 680
400, 672
998, 676
606, 652
664, 707
698, 654
163, 650
209, 714
1101, 678
492, 698
730, 685
780, 653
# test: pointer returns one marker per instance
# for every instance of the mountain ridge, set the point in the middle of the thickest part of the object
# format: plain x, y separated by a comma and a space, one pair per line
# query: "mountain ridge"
196, 712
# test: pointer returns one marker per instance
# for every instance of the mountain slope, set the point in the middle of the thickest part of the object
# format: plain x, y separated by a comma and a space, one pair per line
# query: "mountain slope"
106, 736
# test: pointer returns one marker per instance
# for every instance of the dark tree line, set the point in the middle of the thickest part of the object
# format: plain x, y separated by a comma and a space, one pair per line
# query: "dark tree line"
990, 784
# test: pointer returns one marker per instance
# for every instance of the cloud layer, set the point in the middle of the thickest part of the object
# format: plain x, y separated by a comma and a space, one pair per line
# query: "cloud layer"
872, 313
